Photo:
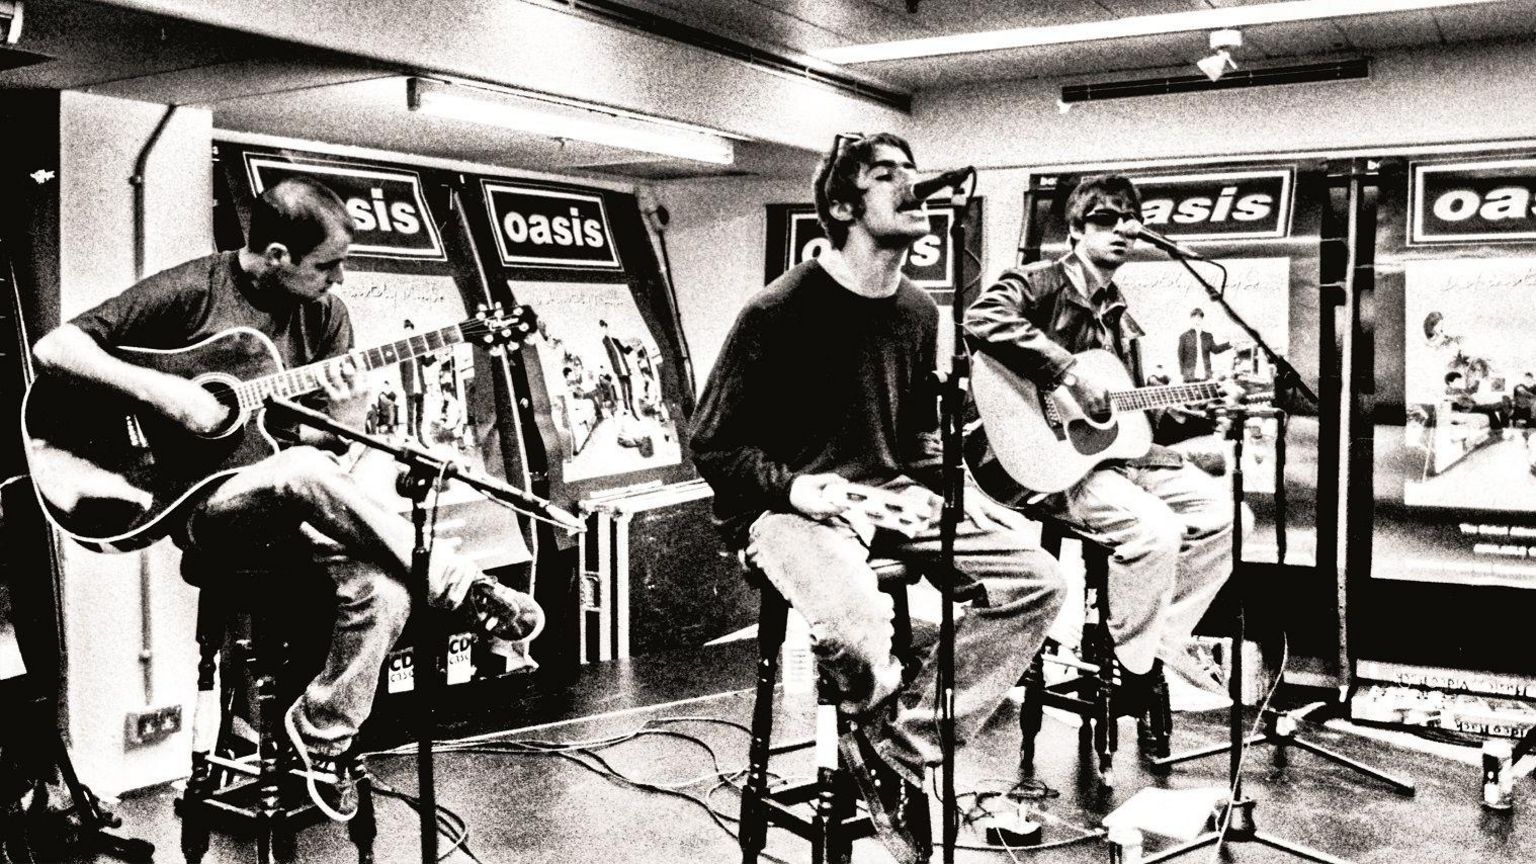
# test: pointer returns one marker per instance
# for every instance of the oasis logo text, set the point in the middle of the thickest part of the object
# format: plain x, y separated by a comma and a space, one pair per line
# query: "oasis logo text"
537, 227
1473, 202
930, 262
389, 212
1235, 205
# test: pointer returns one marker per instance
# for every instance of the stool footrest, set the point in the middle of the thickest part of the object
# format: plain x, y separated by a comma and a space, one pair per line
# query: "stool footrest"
791, 746
855, 826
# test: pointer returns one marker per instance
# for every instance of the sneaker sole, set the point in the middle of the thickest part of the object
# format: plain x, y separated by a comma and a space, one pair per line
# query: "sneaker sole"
310, 774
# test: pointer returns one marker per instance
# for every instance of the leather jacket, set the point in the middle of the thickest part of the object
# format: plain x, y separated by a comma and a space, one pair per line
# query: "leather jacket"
1033, 319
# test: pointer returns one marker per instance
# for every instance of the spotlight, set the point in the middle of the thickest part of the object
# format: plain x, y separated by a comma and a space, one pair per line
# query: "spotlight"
1220, 59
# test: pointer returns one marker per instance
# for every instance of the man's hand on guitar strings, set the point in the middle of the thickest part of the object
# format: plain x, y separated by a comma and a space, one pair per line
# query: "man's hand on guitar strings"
190, 404
348, 390
1090, 394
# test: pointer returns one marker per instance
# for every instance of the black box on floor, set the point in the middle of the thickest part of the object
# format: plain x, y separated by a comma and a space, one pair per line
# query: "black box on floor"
655, 574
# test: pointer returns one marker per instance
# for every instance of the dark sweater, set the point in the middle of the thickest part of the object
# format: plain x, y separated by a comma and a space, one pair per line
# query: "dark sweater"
814, 378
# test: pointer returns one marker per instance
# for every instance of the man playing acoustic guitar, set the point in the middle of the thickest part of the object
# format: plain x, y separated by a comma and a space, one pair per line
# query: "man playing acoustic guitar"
824, 382
303, 496
1167, 522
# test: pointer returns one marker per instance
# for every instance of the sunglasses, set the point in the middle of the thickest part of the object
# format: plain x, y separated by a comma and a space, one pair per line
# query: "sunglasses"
1109, 218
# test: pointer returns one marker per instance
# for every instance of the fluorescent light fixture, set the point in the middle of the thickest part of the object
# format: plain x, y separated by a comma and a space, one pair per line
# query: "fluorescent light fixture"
1123, 28
558, 119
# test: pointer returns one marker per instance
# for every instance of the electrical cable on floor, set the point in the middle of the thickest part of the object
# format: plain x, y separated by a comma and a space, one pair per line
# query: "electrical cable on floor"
584, 753
450, 825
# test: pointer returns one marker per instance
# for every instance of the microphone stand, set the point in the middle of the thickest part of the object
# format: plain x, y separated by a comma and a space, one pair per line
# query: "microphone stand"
1237, 822
951, 413
424, 471
1279, 728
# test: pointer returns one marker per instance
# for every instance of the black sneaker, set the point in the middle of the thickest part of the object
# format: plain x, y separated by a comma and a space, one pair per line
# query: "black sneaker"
329, 778
505, 613
899, 820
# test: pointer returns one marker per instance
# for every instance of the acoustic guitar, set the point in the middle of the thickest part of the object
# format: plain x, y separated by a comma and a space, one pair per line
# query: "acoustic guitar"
1045, 442
113, 473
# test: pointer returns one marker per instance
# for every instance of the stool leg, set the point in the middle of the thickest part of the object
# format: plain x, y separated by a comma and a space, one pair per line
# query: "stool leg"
828, 844
363, 828
264, 673
1156, 739
1030, 713
1097, 641
205, 725
754, 810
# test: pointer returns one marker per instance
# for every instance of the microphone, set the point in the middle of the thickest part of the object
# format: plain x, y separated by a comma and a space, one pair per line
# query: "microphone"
1175, 249
924, 190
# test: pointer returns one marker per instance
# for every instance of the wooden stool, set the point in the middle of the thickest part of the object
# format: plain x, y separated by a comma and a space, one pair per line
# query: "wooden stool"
262, 792
833, 826
1090, 695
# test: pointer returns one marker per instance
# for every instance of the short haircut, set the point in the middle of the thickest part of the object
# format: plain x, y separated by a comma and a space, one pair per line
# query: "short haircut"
1197, 311
299, 213
1430, 322
1450, 377
837, 179
1099, 189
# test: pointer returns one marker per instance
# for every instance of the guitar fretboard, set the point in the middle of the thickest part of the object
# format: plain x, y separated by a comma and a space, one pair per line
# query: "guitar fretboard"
307, 379
1147, 398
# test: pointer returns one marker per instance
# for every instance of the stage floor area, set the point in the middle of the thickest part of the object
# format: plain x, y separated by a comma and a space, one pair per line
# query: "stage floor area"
544, 808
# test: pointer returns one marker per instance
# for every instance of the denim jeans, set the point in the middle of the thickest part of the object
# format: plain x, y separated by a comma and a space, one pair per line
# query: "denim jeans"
310, 502
822, 569
1169, 529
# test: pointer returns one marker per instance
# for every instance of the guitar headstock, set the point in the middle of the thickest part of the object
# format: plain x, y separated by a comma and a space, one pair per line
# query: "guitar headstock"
500, 329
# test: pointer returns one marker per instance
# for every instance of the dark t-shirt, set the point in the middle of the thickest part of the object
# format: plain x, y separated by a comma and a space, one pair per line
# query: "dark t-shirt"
815, 378
188, 303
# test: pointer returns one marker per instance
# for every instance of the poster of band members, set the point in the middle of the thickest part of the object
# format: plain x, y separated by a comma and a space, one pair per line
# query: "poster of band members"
427, 400
1468, 383
1456, 403
1190, 339
602, 372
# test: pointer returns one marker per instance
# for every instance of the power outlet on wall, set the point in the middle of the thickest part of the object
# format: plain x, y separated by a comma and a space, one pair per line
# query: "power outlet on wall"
150, 725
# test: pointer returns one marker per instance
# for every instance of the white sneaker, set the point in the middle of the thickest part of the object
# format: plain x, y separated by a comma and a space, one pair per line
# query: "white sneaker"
1184, 695
1195, 682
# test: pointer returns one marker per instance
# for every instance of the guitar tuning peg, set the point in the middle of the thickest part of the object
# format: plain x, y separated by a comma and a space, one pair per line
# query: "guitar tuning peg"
498, 351
479, 307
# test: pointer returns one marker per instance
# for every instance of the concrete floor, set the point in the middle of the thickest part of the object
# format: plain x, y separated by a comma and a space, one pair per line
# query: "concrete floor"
540, 808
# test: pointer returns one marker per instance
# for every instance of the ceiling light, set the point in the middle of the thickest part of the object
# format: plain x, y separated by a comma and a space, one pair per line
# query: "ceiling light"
1220, 60
1122, 28
560, 119
1216, 65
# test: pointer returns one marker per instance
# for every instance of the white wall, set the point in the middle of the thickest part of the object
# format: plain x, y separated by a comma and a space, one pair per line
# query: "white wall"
1470, 94
100, 141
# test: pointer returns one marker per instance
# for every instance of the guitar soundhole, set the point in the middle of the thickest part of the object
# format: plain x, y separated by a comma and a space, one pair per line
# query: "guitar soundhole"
224, 391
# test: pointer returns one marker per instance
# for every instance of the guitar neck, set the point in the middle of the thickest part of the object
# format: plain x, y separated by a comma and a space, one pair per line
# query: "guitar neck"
1148, 398
307, 379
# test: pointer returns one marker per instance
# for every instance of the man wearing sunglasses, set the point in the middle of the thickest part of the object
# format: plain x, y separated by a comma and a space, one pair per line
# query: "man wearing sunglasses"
826, 380
1167, 522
